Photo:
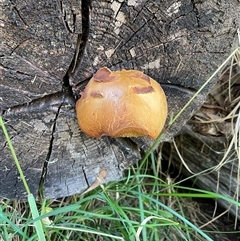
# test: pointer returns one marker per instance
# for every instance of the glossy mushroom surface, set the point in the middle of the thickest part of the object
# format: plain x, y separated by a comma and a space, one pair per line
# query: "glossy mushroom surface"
124, 103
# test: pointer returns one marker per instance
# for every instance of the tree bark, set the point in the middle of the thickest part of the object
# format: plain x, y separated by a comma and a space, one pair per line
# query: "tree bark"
48, 52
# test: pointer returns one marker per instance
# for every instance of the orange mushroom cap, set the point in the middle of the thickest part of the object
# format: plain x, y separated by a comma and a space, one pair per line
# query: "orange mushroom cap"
124, 103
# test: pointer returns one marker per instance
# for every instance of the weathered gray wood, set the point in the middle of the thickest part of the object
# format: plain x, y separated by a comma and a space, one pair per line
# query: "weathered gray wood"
174, 42
36, 49
76, 160
30, 135
54, 152
202, 153
48, 49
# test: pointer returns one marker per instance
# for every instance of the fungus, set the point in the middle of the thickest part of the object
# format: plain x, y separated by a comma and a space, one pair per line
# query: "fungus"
124, 103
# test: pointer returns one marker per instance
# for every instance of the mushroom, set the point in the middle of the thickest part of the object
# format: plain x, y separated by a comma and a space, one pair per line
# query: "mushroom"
125, 103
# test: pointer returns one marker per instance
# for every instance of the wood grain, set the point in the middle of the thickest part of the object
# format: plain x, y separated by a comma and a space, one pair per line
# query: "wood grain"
50, 49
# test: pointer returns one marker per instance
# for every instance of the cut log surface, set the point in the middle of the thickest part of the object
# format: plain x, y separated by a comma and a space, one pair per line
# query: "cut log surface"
50, 49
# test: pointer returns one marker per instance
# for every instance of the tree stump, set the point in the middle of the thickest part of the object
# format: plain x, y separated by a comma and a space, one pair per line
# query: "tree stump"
49, 50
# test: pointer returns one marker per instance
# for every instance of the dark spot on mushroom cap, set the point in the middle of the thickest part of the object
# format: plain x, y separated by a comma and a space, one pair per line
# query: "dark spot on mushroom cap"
97, 94
83, 94
103, 75
143, 90
142, 76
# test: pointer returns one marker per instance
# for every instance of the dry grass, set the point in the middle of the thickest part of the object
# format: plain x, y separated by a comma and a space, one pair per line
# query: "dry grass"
218, 117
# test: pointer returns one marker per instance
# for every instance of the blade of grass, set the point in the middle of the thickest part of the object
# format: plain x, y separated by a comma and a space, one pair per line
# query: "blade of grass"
205, 84
61, 227
166, 222
14, 156
31, 200
120, 212
175, 214
4, 233
210, 194
5, 220
141, 207
35, 214
173, 119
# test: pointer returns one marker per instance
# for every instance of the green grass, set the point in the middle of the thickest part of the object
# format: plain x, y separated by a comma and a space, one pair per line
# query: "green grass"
140, 206
130, 209
133, 208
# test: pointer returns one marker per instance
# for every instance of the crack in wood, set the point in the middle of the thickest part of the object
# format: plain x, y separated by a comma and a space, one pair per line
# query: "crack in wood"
85, 176
180, 88
45, 165
99, 179
81, 41
44, 103
195, 10
18, 14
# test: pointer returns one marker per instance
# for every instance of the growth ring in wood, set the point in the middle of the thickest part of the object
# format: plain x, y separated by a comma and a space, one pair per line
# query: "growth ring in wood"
124, 103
